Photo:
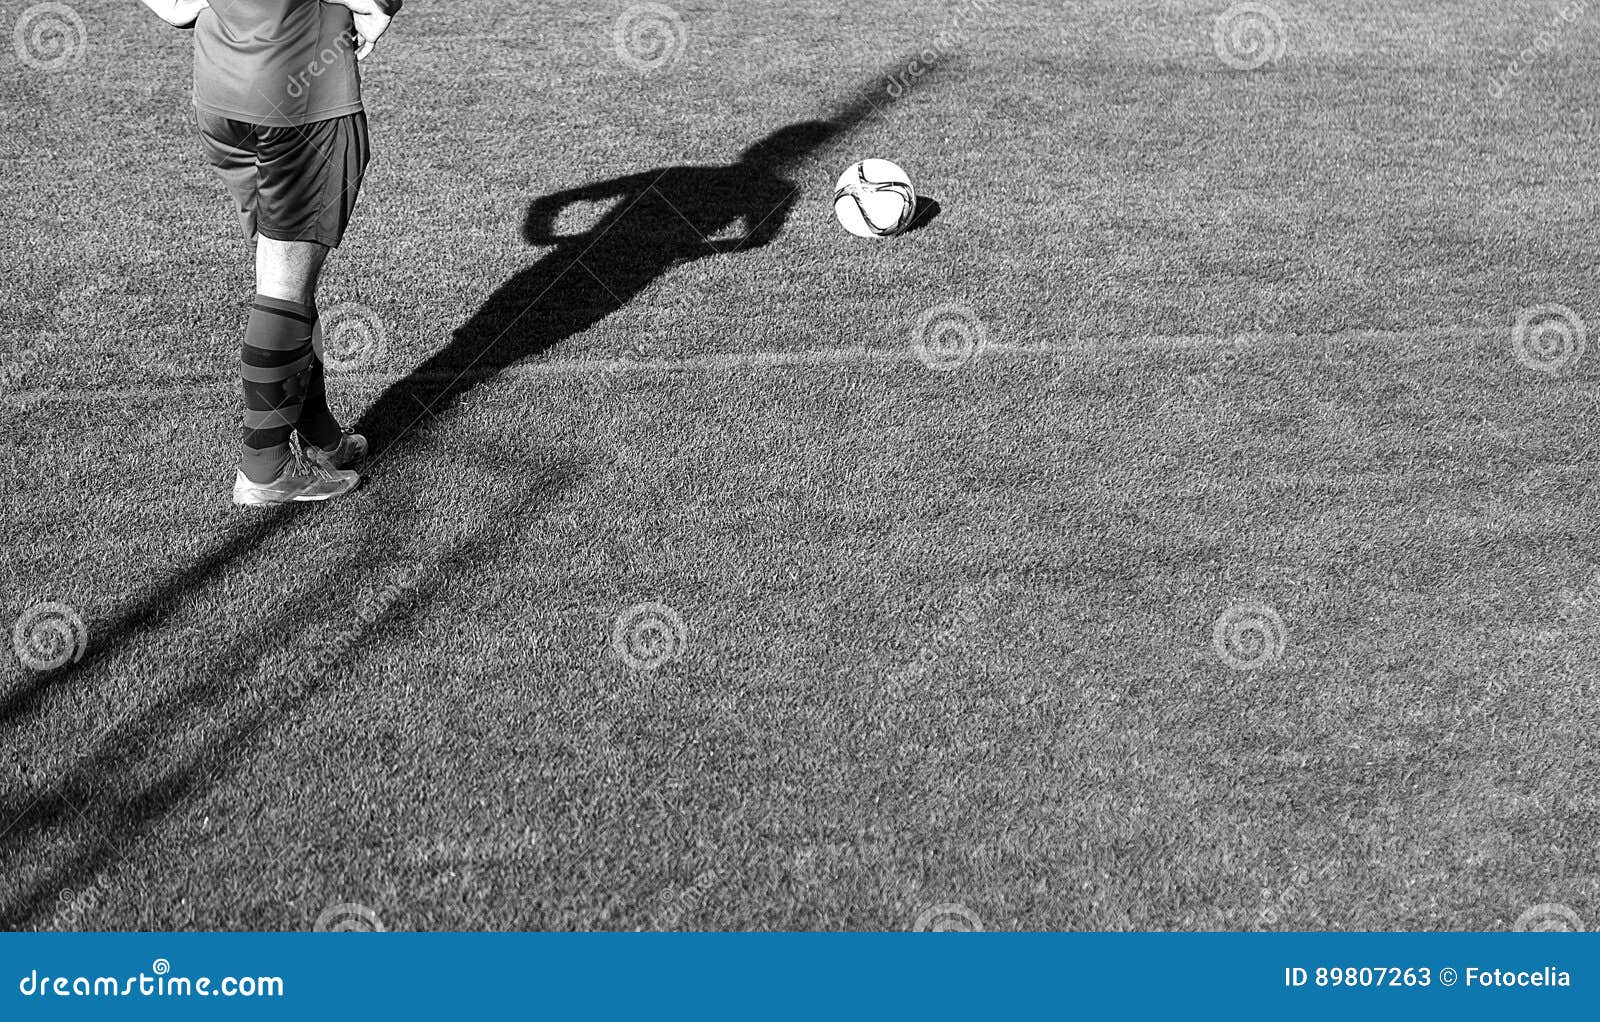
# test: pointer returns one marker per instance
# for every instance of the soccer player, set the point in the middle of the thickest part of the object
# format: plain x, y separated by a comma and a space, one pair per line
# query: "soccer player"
278, 104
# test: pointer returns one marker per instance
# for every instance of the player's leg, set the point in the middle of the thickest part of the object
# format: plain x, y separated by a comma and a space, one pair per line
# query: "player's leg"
276, 349
308, 178
312, 176
277, 356
288, 271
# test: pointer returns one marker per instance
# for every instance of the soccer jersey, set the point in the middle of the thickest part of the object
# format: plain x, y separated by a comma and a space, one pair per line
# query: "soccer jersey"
278, 63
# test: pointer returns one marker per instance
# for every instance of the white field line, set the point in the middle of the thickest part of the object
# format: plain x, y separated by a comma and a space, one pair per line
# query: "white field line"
1098, 346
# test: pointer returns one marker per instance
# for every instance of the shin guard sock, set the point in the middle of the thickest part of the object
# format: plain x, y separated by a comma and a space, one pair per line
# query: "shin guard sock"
275, 364
317, 426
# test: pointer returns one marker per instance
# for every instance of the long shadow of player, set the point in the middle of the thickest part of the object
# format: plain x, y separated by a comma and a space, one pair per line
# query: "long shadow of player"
658, 219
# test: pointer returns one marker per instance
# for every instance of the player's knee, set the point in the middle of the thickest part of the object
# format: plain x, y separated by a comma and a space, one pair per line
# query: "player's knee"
289, 269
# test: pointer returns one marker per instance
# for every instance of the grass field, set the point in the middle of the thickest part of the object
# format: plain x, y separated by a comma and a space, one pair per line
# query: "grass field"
949, 637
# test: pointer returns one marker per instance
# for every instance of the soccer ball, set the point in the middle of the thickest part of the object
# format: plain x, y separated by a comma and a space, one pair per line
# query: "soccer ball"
874, 199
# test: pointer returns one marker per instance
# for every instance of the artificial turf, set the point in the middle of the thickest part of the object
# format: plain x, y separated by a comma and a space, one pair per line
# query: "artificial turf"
948, 635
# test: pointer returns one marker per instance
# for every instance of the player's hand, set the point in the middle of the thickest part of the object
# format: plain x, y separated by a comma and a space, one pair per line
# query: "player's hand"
188, 12
369, 29
371, 19
177, 13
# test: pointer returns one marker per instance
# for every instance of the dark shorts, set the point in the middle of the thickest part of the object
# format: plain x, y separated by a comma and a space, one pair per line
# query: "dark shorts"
289, 184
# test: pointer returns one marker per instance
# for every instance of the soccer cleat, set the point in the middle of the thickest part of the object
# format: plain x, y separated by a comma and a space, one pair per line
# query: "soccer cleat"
302, 480
351, 448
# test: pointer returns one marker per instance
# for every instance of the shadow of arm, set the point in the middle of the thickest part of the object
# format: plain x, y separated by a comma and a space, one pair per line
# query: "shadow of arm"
539, 226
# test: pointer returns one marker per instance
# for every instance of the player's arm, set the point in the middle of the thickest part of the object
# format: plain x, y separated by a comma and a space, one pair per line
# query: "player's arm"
177, 13
371, 19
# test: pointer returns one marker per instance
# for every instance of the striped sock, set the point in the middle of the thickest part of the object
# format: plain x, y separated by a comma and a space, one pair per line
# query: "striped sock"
317, 426
274, 370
